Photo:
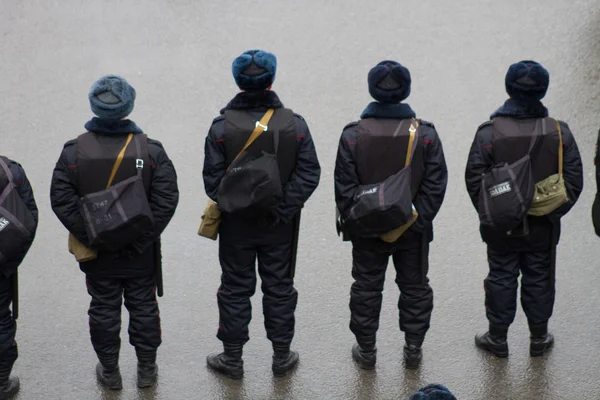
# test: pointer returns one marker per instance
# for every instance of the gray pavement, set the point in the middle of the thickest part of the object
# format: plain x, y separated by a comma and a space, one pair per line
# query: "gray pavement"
178, 54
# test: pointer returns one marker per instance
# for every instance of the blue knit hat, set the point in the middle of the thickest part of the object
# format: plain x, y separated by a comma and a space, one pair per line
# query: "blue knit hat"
254, 70
527, 81
389, 82
112, 98
433, 392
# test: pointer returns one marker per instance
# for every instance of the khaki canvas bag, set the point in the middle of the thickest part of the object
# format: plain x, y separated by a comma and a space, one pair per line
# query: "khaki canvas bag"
211, 219
551, 193
392, 236
81, 252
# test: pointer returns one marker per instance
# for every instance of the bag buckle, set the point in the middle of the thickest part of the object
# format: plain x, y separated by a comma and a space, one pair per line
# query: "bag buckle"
265, 127
139, 163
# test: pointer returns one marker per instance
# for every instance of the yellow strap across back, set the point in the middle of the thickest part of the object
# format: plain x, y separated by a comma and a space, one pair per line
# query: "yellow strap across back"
560, 149
118, 161
261, 126
411, 140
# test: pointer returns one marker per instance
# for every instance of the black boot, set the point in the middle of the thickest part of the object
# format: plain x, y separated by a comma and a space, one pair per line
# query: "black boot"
229, 362
364, 352
8, 386
111, 378
540, 340
147, 370
494, 341
413, 353
284, 359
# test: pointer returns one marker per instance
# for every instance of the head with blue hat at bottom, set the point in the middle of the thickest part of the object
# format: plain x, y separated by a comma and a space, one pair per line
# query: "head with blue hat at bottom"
254, 70
433, 392
527, 81
389, 82
112, 98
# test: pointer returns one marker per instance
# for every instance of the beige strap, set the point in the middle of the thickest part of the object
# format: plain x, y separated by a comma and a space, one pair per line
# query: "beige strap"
118, 161
560, 149
261, 126
411, 140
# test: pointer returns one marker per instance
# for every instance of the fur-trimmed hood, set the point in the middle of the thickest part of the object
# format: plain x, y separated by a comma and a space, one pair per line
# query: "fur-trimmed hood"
100, 125
383, 110
252, 100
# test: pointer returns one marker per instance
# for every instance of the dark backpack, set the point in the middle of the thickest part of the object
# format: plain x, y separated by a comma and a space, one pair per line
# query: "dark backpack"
117, 216
506, 194
382, 207
252, 186
17, 225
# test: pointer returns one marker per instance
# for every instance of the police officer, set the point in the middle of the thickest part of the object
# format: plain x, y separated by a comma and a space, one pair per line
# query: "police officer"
8, 270
371, 150
84, 167
531, 249
269, 238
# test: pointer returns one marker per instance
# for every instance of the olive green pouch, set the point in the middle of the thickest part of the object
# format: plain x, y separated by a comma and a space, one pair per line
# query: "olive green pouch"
551, 193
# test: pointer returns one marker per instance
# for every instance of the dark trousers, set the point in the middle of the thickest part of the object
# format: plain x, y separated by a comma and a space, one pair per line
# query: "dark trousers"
416, 296
537, 285
105, 314
8, 327
238, 284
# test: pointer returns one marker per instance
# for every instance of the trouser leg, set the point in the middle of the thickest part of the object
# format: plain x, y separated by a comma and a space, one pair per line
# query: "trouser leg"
368, 271
105, 318
279, 295
238, 284
144, 315
538, 290
8, 328
501, 289
416, 296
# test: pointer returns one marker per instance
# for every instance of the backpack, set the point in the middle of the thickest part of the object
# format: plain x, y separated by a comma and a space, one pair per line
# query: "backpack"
117, 216
385, 206
252, 186
17, 225
507, 192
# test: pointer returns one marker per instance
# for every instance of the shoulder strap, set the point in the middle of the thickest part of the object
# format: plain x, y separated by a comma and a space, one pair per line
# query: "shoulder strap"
261, 126
4, 165
119, 160
560, 148
412, 142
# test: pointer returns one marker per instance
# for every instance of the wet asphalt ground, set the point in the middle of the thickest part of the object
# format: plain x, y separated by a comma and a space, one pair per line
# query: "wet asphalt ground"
177, 54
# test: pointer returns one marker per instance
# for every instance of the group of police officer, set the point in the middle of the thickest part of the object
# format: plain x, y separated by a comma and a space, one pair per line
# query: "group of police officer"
369, 151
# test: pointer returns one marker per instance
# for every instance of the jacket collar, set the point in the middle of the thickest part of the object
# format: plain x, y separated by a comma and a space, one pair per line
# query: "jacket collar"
381, 110
254, 100
521, 109
105, 126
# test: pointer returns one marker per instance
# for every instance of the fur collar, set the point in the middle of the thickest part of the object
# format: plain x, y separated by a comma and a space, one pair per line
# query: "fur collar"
521, 109
100, 125
253, 100
381, 110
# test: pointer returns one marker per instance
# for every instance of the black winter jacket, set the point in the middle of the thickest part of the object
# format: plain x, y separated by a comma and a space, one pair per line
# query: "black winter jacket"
543, 230
430, 195
25, 191
141, 256
305, 178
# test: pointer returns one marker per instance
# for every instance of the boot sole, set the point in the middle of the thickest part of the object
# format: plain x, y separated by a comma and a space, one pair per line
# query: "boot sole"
412, 366
499, 354
142, 384
281, 372
228, 375
224, 373
363, 365
539, 353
